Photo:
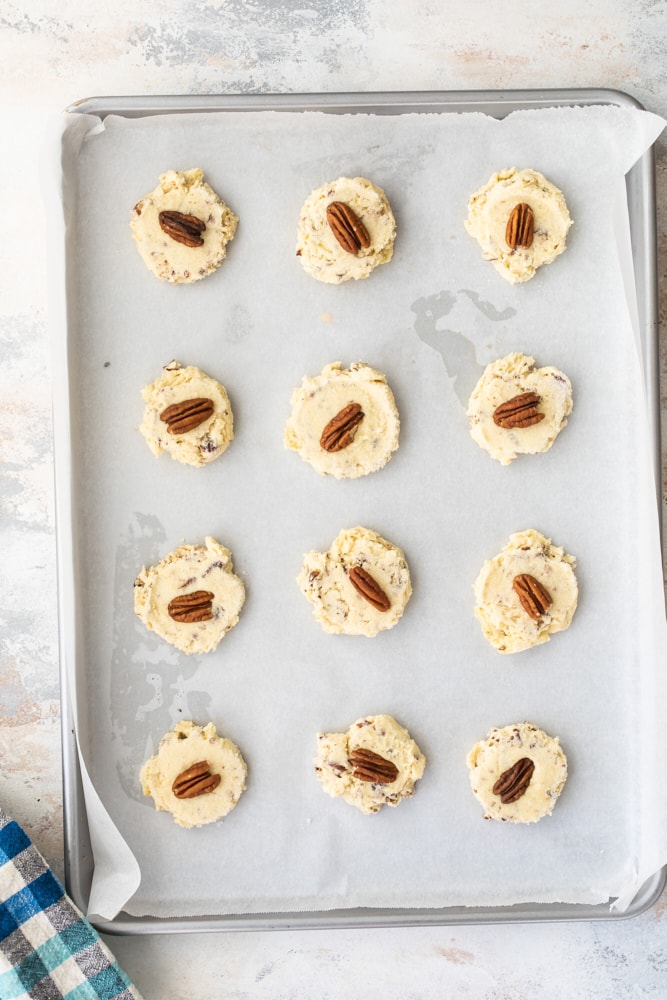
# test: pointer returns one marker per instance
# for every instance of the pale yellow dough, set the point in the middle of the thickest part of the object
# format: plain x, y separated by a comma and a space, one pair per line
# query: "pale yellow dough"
185, 745
319, 399
318, 249
384, 736
502, 380
337, 605
490, 208
202, 444
187, 569
505, 623
499, 751
182, 191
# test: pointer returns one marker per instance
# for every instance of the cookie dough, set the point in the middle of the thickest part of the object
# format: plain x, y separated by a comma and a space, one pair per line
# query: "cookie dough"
375, 763
538, 398
318, 249
526, 767
188, 415
191, 240
489, 211
505, 620
191, 598
196, 775
344, 421
359, 561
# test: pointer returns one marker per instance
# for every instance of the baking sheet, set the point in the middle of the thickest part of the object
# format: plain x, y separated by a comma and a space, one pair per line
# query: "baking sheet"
431, 320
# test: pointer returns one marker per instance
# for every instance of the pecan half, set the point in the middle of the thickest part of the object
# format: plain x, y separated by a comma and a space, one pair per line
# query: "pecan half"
194, 607
519, 411
339, 432
347, 227
369, 588
535, 599
513, 782
370, 766
187, 414
186, 229
195, 780
519, 229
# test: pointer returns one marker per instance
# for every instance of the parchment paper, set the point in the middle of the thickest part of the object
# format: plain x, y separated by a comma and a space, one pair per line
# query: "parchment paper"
431, 320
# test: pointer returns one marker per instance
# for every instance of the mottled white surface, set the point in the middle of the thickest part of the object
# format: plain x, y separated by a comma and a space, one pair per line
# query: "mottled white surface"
53, 54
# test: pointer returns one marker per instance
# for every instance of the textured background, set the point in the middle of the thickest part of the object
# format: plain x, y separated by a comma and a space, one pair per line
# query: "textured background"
52, 55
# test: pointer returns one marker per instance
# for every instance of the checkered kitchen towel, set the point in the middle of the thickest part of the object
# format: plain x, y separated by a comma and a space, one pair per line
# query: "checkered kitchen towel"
48, 950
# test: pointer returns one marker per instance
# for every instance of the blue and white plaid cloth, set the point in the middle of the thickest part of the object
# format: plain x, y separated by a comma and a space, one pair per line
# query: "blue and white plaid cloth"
48, 950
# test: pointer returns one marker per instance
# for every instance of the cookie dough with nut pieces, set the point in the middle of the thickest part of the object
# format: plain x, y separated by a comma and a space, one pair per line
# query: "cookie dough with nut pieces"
526, 593
188, 415
346, 229
344, 421
375, 763
191, 598
360, 586
517, 408
196, 775
517, 773
182, 228
520, 220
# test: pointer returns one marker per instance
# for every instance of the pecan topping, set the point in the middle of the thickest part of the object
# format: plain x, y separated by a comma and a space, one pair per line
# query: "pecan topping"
519, 229
187, 414
195, 780
370, 766
347, 227
186, 229
340, 430
535, 599
513, 782
519, 411
369, 588
194, 607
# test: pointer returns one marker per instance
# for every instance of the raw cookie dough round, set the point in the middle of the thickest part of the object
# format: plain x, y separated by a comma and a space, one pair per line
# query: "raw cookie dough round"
377, 566
201, 570
182, 748
533, 760
320, 251
506, 380
505, 622
178, 398
489, 210
338, 393
347, 763
185, 193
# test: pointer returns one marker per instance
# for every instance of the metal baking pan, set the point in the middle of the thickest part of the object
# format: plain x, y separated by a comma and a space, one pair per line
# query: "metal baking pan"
79, 860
